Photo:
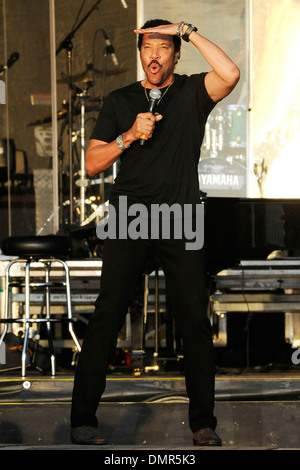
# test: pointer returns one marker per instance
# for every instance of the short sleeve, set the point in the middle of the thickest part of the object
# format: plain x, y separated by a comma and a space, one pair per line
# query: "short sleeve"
106, 125
204, 100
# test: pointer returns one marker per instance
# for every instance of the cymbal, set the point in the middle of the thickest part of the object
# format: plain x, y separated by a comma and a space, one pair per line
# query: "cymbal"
63, 113
91, 75
60, 115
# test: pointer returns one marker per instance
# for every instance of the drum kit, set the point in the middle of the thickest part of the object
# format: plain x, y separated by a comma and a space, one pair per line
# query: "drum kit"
83, 204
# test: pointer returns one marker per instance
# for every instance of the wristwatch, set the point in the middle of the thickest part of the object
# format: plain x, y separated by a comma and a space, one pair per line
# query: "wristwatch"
190, 29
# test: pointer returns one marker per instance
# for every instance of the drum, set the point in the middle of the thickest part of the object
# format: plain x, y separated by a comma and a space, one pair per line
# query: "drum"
222, 174
235, 126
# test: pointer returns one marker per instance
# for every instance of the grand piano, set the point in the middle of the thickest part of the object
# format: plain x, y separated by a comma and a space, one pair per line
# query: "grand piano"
253, 265
251, 229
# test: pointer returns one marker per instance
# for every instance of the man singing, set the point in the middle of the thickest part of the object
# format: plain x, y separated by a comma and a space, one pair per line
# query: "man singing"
162, 171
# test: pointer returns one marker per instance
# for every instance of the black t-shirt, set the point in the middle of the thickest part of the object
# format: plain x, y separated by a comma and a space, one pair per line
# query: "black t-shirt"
165, 169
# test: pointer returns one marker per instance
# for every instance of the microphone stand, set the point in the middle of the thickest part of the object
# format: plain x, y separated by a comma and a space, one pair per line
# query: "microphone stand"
105, 55
83, 180
68, 46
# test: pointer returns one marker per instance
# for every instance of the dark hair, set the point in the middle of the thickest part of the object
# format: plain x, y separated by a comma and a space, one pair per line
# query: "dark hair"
152, 24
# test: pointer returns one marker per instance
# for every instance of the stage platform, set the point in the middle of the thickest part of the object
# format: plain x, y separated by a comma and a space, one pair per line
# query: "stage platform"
257, 408
255, 411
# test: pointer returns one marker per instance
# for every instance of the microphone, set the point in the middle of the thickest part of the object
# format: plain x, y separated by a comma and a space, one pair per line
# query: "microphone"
124, 4
155, 95
110, 50
12, 59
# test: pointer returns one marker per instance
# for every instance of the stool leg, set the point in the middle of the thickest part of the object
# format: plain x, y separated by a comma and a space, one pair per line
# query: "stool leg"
48, 324
154, 365
7, 302
146, 294
145, 307
24, 350
27, 317
69, 306
156, 316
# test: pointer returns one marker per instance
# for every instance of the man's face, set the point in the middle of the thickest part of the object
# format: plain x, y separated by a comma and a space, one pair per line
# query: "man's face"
158, 59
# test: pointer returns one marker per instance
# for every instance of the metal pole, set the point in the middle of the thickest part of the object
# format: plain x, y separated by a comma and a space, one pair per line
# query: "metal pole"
54, 118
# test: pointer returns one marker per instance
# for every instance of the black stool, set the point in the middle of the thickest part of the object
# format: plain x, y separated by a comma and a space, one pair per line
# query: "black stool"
46, 250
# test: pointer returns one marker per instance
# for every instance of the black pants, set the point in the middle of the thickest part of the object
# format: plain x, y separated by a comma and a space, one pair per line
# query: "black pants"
123, 264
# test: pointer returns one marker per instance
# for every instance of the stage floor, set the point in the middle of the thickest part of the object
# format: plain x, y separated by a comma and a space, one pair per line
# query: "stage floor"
256, 411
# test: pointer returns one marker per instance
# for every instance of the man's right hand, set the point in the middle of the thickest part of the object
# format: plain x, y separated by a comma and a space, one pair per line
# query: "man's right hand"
144, 125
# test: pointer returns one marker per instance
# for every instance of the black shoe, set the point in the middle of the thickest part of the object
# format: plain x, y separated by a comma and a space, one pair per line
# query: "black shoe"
206, 437
86, 435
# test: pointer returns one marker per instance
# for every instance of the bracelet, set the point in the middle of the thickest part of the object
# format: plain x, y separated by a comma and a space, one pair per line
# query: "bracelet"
190, 29
180, 28
120, 144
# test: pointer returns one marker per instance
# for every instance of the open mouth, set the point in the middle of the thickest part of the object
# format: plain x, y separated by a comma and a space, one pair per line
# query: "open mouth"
154, 66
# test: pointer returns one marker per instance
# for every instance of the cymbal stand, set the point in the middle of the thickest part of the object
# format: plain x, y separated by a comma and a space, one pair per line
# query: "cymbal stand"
67, 44
83, 180
70, 125
105, 55
60, 159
